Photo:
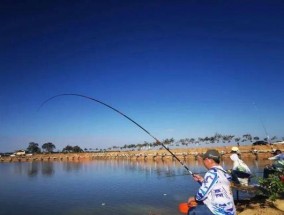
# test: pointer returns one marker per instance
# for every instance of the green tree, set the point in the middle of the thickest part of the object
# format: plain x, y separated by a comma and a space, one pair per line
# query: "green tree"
168, 141
48, 147
77, 149
67, 149
256, 138
191, 140
247, 137
217, 137
33, 148
182, 142
274, 138
237, 139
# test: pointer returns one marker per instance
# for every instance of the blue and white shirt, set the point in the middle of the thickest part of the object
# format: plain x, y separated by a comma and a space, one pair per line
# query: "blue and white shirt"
215, 192
278, 161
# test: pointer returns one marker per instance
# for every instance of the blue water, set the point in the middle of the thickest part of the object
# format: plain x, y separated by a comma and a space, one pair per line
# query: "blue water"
120, 187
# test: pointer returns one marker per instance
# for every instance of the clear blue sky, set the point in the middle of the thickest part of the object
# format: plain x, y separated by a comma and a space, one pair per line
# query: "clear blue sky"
181, 69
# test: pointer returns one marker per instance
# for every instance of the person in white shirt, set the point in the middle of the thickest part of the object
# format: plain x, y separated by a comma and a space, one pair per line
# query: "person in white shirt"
240, 171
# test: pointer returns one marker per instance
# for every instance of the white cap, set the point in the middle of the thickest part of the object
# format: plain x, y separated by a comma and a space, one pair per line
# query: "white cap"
235, 149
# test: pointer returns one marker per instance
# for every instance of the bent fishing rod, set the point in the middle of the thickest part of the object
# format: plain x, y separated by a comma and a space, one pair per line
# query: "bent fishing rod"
265, 130
114, 109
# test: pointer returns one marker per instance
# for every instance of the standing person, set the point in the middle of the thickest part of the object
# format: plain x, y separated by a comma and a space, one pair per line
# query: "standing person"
278, 159
236, 150
240, 172
277, 166
214, 195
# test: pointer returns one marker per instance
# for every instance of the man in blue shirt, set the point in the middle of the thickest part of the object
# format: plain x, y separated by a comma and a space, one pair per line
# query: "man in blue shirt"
277, 166
214, 195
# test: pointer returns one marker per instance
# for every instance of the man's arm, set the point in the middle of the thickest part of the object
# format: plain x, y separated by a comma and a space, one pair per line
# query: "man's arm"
274, 157
210, 179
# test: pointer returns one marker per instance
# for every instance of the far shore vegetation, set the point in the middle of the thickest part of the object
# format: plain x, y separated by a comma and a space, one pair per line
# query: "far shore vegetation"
34, 148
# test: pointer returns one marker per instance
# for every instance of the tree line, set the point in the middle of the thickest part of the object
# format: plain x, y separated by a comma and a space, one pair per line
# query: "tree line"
50, 147
216, 138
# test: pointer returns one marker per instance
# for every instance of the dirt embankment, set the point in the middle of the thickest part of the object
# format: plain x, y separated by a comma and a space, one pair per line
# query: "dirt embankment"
248, 151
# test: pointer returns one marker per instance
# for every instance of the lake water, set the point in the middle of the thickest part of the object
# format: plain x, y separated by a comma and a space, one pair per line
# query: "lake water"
119, 187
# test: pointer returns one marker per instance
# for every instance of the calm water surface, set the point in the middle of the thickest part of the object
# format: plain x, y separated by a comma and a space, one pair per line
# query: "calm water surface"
119, 187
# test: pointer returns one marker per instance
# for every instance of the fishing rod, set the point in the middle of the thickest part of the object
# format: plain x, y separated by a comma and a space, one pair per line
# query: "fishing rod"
265, 130
112, 108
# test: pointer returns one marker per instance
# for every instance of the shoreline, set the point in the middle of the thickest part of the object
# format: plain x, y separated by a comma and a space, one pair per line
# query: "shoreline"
247, 151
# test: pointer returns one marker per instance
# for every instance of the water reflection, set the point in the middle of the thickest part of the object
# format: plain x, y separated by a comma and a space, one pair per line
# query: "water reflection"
126, 187
72, 166
159, 168
47, 169
33, 169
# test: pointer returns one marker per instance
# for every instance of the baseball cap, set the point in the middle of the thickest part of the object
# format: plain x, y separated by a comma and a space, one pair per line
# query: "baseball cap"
212, 154
235, 149
277, 151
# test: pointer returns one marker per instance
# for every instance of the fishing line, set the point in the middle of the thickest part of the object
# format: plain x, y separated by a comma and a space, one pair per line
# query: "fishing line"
266, 133
114, 109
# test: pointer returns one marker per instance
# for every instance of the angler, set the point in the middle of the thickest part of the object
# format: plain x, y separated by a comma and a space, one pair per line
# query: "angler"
214, 194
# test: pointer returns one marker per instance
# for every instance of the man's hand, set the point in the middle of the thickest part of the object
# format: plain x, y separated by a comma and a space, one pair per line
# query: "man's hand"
191, 202
198, 178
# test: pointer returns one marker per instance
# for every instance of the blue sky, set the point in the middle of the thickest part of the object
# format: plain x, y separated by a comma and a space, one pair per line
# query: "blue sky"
179, 68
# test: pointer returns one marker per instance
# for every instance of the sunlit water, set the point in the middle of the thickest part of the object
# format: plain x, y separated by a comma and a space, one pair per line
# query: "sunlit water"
120, 187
